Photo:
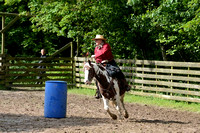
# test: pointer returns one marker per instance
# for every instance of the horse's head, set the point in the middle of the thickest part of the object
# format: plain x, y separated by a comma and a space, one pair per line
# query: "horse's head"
89, 72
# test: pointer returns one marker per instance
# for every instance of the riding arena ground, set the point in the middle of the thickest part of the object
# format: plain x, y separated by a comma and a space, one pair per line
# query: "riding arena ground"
23, 111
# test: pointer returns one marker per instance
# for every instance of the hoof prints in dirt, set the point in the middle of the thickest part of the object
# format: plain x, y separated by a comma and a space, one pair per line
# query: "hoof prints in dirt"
23, 111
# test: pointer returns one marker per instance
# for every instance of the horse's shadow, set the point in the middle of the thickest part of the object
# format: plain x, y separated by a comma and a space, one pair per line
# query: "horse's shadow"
26, 123
156, 121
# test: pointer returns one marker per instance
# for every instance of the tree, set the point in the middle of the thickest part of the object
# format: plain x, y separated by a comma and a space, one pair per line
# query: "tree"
85, 19
173, 25
20, 38
145, 29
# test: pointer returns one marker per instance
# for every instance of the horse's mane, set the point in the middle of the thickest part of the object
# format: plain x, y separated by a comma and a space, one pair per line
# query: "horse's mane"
99, 68
105, 82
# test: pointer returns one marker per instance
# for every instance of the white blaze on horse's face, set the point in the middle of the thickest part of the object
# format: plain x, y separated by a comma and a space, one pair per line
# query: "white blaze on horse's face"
86, 71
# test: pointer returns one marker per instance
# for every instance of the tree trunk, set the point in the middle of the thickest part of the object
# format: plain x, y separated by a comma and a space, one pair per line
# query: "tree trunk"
164, 56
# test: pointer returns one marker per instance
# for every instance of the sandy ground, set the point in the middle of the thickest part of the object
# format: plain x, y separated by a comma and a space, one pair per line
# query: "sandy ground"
23, 111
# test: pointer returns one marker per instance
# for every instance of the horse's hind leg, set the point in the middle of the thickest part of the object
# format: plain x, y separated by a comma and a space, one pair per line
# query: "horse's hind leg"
114, 117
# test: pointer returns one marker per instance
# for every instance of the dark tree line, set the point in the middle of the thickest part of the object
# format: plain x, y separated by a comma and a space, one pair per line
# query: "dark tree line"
142, 29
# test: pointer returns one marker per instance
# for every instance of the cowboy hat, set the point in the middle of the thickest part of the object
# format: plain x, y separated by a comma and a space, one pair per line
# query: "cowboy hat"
99, 37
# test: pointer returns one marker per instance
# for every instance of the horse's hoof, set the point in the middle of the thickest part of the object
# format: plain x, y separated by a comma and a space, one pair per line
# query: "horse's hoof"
126, 115
114, 117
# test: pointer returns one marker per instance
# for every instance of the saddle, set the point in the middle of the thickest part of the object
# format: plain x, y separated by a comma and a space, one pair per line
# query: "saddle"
114, 71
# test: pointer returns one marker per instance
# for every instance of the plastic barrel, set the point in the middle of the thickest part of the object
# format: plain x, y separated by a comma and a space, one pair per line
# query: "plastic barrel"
55, 99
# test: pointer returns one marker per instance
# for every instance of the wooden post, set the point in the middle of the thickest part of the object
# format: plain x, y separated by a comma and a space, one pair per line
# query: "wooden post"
3, 35
171, 81
4, 28
72, 61
188, 81
2, 46
6, 72
156, 76
72, 49
142, 76
77, 49
10, 24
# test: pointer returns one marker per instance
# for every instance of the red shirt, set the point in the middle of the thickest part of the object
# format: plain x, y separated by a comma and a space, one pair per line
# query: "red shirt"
103, 53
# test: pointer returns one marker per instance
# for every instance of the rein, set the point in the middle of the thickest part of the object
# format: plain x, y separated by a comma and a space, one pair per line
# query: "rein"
109, 86
109, 89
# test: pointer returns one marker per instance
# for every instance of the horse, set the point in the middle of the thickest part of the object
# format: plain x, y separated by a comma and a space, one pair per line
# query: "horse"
109, 88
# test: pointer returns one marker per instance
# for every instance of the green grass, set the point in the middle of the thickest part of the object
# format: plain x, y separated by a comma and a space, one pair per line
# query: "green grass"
129, 98
82, 91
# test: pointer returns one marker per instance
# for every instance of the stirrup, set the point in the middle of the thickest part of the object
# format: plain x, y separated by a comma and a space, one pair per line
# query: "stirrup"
128, 88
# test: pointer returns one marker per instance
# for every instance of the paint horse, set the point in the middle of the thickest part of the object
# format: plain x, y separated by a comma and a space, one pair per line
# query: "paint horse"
109, 88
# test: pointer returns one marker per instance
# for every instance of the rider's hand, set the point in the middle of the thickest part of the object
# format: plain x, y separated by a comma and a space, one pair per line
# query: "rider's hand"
104, 61
93, 56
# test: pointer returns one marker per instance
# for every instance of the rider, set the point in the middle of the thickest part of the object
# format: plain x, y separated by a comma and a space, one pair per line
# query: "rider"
103, 55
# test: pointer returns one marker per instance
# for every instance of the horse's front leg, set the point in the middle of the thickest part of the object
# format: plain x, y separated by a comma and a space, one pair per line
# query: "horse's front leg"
118, 106
106, 107
126, 115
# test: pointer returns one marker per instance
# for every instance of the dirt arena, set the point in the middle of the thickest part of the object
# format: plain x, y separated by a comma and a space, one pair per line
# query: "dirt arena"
23, 111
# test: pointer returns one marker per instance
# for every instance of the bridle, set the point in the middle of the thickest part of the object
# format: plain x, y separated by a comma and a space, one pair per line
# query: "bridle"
109, 89
90, 68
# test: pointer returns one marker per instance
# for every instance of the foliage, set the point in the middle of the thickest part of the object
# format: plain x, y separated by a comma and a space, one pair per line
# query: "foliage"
174, 25
143, 29
20, 38
85, 19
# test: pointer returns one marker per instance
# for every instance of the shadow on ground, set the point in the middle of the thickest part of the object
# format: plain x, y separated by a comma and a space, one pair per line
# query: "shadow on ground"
19, 123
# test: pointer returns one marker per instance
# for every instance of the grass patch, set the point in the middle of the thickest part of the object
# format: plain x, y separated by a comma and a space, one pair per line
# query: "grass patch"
82, 91
183, 106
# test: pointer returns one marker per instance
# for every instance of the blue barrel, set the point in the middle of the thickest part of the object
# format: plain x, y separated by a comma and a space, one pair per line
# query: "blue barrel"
55, 99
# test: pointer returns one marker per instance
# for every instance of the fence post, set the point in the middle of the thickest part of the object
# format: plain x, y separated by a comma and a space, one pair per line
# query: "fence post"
3, 35
135, 72
171, 81
156, 78
6, 64
72, 48
77, 49
188, 77
73, 64
142, 76
73, 71
3, 69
